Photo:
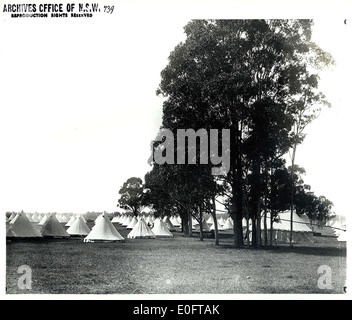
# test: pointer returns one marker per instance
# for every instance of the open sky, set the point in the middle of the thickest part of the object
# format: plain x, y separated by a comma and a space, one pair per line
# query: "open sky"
79, 110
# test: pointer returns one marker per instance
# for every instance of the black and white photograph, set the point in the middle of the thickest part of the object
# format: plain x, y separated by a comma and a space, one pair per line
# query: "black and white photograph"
175, 149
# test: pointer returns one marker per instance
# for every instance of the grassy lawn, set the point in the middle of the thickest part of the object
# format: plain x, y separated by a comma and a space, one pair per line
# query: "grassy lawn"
173, 266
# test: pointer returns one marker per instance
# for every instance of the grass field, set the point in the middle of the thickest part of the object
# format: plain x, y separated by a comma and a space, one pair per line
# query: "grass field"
173, 266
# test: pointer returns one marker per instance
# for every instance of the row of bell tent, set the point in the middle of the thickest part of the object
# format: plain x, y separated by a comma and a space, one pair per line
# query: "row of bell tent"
21, 226
104, 230
24, 225
140, 228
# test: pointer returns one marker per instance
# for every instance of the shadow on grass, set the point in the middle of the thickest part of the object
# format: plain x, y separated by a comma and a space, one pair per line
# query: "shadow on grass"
313, 250
328, 251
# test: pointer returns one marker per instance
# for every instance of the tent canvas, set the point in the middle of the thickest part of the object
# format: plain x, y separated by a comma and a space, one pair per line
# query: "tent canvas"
127, 221
43, 220
205, 226
228, 224
150, 219
8, 227
35, 218
78, 227
121, 218
210, 220
22, 228
174, 221
12, 221
98, 218
141, 230
133, 222
70, 221
337, 222
161, 230
342, 236
29, 216
299, 225
221, 221
212, 227
124, 219
284, 236
195, 223
64, 219
103, 230
53, 228
282, 227
178, 218
168, 223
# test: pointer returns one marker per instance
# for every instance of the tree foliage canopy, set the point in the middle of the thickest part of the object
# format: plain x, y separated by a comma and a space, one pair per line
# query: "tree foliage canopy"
258, 78
131, 194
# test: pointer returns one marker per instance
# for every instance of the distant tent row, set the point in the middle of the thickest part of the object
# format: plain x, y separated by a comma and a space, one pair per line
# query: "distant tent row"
302, 231
38, 217
282, 226
132, 224
140, 227
21, 226
145, 226
104, 230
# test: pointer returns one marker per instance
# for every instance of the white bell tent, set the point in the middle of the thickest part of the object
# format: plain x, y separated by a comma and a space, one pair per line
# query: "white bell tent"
141, 230
53, 228
79, 227
161, 230
103, 230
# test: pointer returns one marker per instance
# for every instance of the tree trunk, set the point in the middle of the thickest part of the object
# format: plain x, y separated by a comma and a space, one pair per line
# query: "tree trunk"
265, 228
271, 227
254, 231
236, 214
185, 224
258, 218
237, 226
265, 212
213, 214
271, 211
237, 196
247, 232
292, 200
257, 208
237, 222
200, 223
190, 233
